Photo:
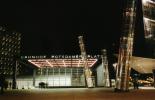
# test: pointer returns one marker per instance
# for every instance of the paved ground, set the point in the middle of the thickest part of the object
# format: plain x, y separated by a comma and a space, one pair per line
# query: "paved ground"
78, 94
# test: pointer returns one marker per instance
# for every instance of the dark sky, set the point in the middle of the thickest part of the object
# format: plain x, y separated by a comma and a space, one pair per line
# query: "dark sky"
52, 27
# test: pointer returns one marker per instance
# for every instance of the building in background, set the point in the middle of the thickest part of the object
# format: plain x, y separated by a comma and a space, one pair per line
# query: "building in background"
9, 50
9, 53
148, 7
53, 70
56, 71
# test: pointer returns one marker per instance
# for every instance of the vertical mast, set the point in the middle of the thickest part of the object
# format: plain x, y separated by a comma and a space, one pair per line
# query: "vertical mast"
126, 46
87, 70
106, 81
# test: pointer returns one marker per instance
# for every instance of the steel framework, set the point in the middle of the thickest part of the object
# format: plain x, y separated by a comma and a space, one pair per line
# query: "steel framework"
87, 70
126, 46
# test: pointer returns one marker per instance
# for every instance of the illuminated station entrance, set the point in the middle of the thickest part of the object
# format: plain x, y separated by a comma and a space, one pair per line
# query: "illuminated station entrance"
58, 70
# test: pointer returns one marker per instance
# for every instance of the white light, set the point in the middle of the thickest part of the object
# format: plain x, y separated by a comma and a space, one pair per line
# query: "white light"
149, 36
31, 61
61, 62
64, 63
145, 1
93, 63
79, 63
147, 19
49, 63
115, 65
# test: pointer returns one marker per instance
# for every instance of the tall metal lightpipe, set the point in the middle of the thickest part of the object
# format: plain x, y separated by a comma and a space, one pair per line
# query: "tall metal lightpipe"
106, 80
126, 46
87, 70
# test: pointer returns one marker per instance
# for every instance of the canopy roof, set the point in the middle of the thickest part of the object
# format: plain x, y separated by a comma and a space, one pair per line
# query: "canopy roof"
143, 65
62, 62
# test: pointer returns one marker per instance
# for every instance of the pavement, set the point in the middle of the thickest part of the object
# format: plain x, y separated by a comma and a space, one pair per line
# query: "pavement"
79, 94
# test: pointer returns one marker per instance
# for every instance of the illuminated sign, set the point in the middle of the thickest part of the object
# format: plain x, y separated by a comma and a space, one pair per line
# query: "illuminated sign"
60, 57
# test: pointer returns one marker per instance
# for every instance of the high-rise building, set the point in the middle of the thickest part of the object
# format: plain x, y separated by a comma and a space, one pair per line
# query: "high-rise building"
148, 7
9, 50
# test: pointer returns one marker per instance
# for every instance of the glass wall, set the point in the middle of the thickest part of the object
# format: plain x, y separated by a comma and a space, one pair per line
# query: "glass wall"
52, 77
60, 76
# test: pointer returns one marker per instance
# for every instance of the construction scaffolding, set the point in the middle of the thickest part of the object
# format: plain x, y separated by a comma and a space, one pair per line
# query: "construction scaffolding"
126, 46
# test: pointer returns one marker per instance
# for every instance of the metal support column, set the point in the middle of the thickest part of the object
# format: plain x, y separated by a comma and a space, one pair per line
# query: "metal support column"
14, 84
47, 71
88, 72
106, 80
65, 77
126, 46
34, 76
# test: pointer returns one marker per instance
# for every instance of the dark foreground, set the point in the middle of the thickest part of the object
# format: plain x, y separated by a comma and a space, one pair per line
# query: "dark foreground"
78, 94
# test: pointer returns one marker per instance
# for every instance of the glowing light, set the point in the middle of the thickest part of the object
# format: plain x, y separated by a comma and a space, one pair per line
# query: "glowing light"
49, 63
61, 62
146, 1
115, 65
79, 63
93, 63
147, 19
64, 63
33, 63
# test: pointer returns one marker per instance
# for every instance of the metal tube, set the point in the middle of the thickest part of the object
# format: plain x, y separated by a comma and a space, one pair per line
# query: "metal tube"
106, 81
88, 72
126, 46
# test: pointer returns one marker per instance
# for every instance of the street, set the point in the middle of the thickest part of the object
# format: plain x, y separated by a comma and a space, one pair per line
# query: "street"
78, 94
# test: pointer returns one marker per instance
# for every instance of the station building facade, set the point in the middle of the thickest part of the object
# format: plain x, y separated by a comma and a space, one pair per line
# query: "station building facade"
59, 71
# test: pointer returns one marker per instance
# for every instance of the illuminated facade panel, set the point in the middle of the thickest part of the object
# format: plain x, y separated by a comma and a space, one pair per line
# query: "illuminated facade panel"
148, 7
56, 71
9, 50
60, 76
53, 77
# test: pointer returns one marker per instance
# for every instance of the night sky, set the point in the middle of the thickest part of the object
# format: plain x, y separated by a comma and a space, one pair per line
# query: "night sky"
52, 27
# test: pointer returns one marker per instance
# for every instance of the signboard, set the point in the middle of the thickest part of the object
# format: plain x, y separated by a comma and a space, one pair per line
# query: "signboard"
59, 57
